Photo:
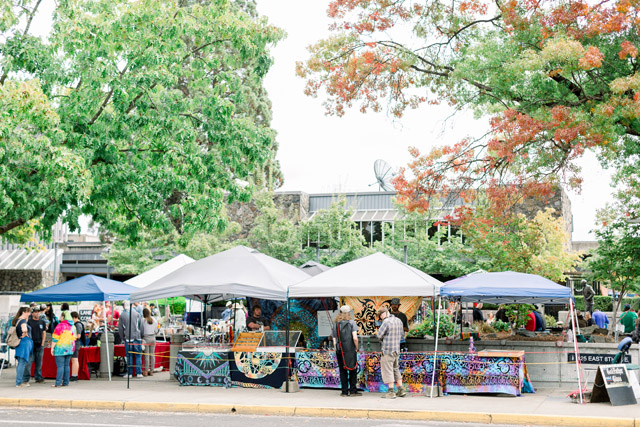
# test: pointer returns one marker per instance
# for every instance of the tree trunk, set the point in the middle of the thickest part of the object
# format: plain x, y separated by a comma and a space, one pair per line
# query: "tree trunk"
616, 307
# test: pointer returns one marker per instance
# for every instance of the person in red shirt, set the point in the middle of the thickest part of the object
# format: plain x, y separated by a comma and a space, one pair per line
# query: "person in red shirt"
112, 316
531, 324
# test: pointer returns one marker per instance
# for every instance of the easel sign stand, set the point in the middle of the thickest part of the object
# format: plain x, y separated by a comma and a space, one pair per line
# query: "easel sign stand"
612, 385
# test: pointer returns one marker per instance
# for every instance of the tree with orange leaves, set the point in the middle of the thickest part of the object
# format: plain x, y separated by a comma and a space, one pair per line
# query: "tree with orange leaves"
556, 78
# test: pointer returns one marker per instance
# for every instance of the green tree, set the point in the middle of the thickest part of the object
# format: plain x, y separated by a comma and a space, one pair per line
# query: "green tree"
273, 233
153, 109
335, 234
615, 261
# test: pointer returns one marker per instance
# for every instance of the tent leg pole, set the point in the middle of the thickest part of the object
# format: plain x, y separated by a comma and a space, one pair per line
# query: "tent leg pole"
288, 352
127, 347
575, 348
106, 338
435, 349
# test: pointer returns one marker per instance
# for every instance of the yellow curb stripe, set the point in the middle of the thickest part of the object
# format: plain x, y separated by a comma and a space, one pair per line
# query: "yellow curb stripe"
516, 419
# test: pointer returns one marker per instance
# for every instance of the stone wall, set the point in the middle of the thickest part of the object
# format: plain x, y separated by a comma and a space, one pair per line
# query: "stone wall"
294, 205
25, 280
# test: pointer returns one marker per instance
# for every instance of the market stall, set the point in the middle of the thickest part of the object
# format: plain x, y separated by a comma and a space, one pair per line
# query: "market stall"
506, 287
86, 355
85, 288
237, 272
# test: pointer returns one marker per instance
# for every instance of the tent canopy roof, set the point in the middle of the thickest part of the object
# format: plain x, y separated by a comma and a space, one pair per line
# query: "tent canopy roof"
507, 287
85, 288
376, 274
240, 271
313, 268
159, 271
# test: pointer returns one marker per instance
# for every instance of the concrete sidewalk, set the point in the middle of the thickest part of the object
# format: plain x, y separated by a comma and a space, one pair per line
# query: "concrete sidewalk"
157, 393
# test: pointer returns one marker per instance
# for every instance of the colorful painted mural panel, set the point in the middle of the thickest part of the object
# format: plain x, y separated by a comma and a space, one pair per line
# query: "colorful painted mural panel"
365, 309
202, 368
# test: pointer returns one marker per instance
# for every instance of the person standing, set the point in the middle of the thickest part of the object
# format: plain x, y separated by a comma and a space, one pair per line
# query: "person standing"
628, 319
25, 348
130, 331
63, 344
226, 314
80, 342
389, 334
50, 318
149, 329
395, 310
38, 336
345, 341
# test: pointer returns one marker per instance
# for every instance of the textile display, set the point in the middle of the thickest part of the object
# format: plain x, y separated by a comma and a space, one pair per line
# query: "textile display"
416, 370
469, 373
163, 349
258, 369
365, 309
86, 355
319, 369
203, 368
302, 318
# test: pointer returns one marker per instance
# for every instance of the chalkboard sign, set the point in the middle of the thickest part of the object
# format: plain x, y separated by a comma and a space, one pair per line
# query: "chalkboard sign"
612, 385
597, 359
85, 315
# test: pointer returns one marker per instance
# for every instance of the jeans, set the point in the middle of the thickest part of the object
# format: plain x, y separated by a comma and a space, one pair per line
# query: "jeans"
348, 378
20, 370
36, 357
64, 371
134, 346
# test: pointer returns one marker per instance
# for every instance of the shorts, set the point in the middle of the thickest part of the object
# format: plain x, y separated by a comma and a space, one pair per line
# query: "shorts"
389, 368
75, 352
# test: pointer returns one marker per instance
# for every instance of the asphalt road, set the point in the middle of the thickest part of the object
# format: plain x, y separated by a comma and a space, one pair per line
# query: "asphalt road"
67, 417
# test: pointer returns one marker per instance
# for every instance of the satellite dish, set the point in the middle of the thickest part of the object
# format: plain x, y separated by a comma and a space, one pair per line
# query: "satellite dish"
384, 174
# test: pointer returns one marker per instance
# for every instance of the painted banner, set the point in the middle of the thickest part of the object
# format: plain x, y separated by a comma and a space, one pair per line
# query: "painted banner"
469, 373
365, 309
258, 369
319, 369
416, 370
203, 368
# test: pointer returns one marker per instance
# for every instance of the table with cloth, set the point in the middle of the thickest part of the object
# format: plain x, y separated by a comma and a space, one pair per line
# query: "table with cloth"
86, 355
163, 350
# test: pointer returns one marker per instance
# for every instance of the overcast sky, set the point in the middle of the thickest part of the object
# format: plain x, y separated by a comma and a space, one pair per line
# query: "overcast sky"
329, 154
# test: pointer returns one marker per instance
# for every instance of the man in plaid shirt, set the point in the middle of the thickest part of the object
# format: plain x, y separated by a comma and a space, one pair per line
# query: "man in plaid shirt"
390, 333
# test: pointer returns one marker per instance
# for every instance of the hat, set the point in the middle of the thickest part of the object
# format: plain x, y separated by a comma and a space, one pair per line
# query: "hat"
627, 307
395, 301
228, 304
345, 309
35, 308
43, 307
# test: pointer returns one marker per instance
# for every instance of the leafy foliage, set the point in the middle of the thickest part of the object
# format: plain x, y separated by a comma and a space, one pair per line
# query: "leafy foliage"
518, 314
447, 327
155, 117
556, 79
500, 326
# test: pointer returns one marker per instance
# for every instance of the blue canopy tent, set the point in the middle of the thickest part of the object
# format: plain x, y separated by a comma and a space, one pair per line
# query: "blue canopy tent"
510, 287
85, 288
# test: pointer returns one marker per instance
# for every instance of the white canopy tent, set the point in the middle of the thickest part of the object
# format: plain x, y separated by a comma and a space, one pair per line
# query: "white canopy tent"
376, 274
240, 271
159, 271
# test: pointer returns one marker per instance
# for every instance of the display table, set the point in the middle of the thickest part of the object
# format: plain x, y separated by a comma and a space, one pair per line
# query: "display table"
86, 355
163, 350
319, 369
485, 372
210, 366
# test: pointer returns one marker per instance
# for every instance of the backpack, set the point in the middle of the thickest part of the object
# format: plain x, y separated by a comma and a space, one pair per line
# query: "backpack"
13, 341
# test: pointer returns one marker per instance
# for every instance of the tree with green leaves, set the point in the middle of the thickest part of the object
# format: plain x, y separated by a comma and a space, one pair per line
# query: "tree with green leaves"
145, 117
615, 261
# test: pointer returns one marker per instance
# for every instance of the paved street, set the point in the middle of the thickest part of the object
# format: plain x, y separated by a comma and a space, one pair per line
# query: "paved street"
67, 417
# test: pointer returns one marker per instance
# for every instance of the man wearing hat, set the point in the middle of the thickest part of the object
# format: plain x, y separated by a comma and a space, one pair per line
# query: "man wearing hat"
395, 310
390, 333
345, 341
38, 334
226, 314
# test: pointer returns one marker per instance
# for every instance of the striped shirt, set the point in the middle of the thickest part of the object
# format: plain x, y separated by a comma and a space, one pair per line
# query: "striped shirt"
390, 333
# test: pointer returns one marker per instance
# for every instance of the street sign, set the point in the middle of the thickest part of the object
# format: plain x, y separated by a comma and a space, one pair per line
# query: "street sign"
597, 359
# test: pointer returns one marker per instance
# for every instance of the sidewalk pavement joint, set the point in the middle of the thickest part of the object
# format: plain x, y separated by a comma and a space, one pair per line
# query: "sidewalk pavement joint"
416, 415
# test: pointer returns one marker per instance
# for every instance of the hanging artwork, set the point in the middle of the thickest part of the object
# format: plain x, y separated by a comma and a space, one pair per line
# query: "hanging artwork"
319, 369
365, 309
302, 318
203, 368
258, 369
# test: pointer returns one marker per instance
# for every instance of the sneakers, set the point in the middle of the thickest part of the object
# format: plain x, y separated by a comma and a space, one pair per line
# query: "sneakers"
139, 376
24, 385
355, 393
73, 379
40, 381
402, 392
150, 373
344, 394
389, 395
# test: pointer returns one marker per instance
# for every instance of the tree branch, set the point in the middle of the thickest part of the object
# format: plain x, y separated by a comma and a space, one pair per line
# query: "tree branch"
10, 226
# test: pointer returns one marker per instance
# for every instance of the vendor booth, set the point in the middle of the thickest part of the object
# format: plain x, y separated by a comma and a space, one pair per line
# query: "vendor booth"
85, 288
506, 287
205, 359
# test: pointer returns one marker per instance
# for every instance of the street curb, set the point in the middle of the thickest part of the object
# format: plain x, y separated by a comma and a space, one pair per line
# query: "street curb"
207, 408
